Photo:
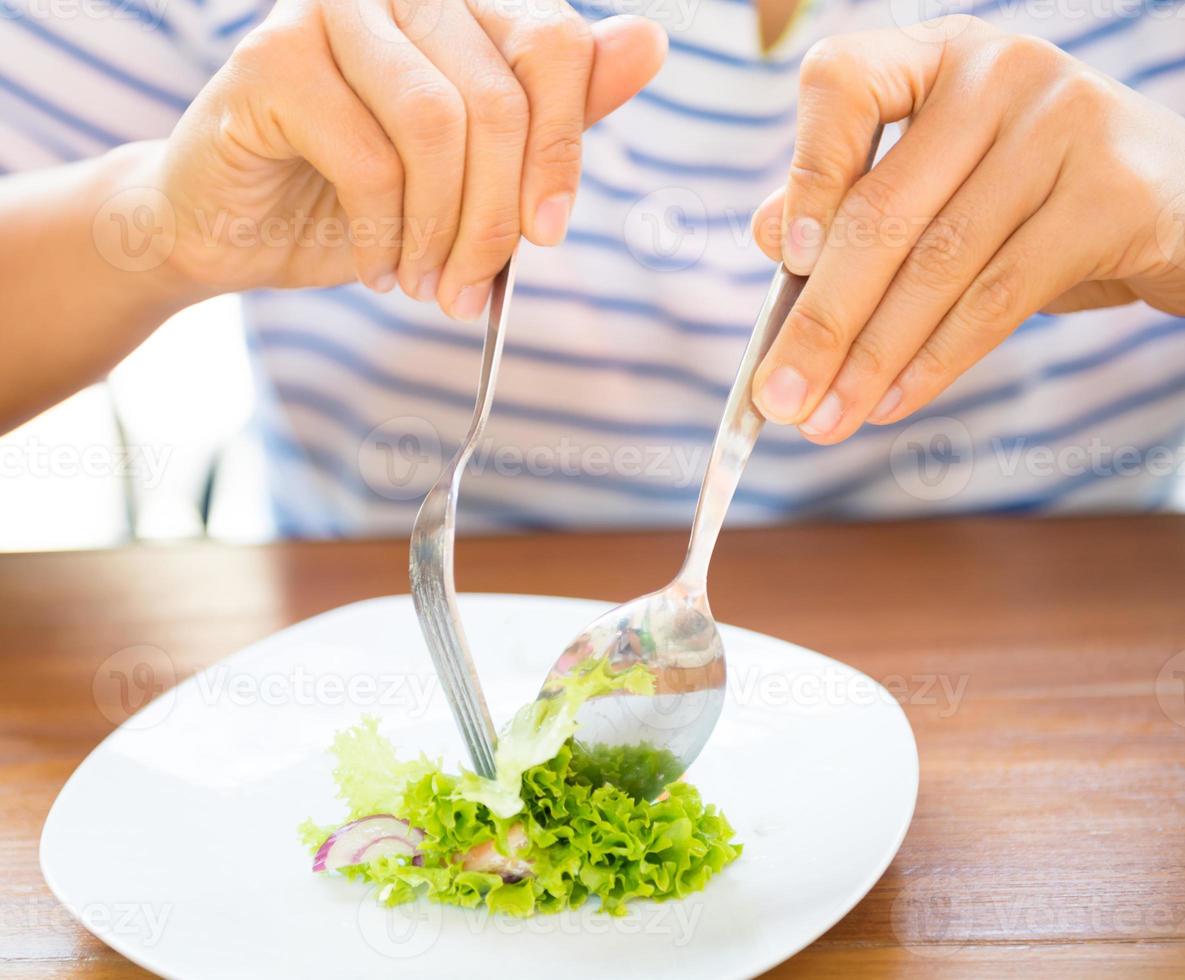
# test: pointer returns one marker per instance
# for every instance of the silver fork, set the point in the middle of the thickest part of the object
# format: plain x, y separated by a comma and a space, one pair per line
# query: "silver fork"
433, 586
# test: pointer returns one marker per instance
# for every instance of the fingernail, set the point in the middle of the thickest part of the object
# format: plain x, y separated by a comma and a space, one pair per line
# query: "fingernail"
802, 246
471, 301
887, 405
386, 282
825, 417
551, 219
780, 398
425, 290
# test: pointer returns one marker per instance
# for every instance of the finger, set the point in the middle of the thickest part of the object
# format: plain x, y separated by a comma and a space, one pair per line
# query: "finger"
325, 123
497, 117
989, 206
550, 51
848, 85
628, 52
1004, 294
424, 118
766, 224
873, 231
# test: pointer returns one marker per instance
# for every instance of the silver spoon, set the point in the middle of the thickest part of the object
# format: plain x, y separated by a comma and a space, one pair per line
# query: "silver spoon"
643, 742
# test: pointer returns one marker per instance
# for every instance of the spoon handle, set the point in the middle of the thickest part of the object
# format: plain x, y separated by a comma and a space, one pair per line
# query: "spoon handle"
737, 434
741, 424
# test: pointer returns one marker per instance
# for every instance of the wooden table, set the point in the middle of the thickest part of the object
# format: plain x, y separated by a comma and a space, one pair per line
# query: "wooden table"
1038, 662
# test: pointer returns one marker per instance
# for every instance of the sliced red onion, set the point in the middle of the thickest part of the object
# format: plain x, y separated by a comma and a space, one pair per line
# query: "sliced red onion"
367, 839
382, 847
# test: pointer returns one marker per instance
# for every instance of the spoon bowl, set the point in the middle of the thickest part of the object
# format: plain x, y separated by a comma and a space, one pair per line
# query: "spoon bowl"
642, 742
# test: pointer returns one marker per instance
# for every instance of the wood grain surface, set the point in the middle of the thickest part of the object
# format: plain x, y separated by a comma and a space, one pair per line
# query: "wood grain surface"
1040, 664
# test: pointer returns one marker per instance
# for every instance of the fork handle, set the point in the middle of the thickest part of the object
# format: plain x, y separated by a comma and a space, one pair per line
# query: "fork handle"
741, 424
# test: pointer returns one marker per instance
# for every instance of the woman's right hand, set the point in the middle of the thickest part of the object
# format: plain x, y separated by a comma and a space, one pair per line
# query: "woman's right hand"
341, 141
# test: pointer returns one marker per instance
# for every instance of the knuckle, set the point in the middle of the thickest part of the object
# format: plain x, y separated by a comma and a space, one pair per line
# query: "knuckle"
558, 149
276, 44
375, 171
816, 331
938, 255
867, 359
499, 103
829, 63
992, 298
1081, 94
427, 98
433, 113
872, 199
931, 365
813, 176
1020, 56
497, 235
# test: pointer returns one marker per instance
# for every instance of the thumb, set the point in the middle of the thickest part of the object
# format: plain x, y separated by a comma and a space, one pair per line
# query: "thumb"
629, 52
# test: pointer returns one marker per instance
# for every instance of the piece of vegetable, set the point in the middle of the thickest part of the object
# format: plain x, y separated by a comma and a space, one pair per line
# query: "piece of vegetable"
367, 839
537, 732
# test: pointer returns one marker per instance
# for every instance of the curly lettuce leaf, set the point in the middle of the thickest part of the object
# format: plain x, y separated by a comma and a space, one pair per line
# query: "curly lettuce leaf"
538, 731
370, 777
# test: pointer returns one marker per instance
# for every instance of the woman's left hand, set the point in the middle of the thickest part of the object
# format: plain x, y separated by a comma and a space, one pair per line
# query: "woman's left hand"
1025, 181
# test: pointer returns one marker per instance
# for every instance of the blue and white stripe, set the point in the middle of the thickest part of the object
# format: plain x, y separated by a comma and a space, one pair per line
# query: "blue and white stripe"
623, 342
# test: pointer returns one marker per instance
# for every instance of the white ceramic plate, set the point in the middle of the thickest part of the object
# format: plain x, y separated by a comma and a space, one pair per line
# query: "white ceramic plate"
175, 842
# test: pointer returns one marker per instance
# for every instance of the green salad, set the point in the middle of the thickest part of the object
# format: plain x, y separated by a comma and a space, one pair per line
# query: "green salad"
544, 835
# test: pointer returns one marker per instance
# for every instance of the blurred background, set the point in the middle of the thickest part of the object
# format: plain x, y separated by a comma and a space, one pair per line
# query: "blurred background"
148, 455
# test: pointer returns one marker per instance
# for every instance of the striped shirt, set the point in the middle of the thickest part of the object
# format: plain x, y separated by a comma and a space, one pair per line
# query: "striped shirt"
623, 342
